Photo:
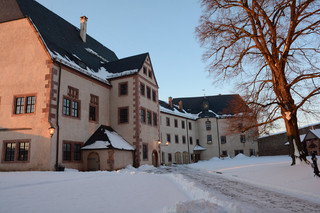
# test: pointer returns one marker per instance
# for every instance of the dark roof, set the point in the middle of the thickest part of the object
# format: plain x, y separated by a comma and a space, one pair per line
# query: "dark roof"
220, 104
59, 35
101, 135
130, 63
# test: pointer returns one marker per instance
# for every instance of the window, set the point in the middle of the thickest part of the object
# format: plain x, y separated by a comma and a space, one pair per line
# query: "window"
143, 115
72, 151
169, 157
93, 108
182, 124
167, 121
176, 138
25, 104
169, 138
208, 125
145, 151
190, 126
71, 103
148, 92
242, 138
191, 140
150, 74
23, 151
67, 151
123, 115
123, 88
176, 123
154, 95
209, 139
16, 151
142, 90
77, 152
145, 70
252, 151
10, 151
149, 118
224, 154
223, 139
155, 119
184, 139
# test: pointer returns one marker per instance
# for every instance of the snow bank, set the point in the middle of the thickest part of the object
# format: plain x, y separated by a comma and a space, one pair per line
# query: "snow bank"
271, 172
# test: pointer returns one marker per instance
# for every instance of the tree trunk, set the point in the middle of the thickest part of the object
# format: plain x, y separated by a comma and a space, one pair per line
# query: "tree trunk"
296, 148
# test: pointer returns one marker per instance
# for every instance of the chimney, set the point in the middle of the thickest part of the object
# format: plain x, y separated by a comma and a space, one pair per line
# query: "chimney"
180, 105
83, 28
170, 102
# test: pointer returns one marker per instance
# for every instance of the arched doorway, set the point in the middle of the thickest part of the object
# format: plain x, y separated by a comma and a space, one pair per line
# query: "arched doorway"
178, 158
155, 161
93, 162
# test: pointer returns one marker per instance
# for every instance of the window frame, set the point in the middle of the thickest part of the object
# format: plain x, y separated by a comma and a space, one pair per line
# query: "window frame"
242, 138
94, 103
145, 152
154, 119
154, 95
24, 108
149, 117
148, 92
223, 139
208, 139
208, 125
120, 91
176, 123
142, 115
176, 139
169, 138
74, 109
75, 155
167, 121
120, 120
142, 89
17, 151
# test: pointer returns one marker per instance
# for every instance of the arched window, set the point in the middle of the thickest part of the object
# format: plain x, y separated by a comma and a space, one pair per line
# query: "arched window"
208, 125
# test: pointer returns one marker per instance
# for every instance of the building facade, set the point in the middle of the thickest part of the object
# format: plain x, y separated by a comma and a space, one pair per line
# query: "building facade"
66, 100
55, 76
196, 128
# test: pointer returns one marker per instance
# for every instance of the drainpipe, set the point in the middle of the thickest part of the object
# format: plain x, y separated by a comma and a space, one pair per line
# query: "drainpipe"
218, 136
187, 127
57, 121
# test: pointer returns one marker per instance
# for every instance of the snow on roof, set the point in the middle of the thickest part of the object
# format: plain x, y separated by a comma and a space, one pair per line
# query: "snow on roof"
98, 145
198, 148
68, 62
106, 138
174, 111
117, 141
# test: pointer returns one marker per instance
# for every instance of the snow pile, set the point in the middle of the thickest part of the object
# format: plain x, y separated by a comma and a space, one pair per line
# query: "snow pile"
178, 113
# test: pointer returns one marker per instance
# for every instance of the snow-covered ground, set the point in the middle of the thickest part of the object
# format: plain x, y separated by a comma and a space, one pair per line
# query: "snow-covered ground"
150, 189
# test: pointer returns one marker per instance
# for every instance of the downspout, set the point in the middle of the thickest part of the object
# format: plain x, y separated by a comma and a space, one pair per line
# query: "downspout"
218, 136
57, 121
187, 127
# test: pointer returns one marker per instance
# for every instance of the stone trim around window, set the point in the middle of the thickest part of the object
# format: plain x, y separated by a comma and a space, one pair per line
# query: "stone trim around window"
21, 151
24, 104
71, 151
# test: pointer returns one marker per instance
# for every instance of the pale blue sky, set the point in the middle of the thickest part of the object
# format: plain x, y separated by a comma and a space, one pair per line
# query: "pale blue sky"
163, 28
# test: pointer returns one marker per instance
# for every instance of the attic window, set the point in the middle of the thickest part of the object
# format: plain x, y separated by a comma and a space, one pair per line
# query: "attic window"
145, 70
150, 74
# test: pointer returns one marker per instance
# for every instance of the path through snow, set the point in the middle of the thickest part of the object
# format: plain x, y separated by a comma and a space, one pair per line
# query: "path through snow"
235, 196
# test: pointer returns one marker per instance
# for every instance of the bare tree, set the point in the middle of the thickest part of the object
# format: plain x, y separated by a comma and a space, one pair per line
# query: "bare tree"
272, 46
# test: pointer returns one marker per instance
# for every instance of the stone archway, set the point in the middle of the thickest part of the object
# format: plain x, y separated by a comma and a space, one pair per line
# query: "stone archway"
93, 162
155, 161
